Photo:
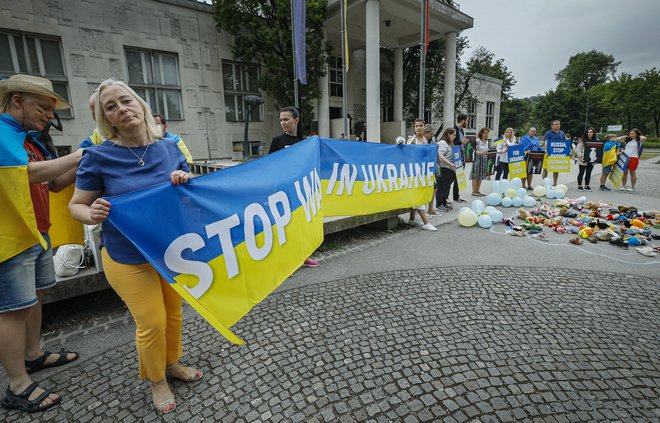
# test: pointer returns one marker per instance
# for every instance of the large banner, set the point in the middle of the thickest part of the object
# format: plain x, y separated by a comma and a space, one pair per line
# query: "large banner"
227, 239
618, 169
460, 167
559, 156
516, 156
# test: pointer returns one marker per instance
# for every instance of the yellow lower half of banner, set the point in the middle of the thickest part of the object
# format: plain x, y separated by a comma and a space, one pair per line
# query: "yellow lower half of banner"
518, 170
228, 300
64, 229
460, 177
558, 164
358, 203
616, 175
18, 225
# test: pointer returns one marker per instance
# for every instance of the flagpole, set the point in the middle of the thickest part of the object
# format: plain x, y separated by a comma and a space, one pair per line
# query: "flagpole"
344, 82
422, 60
295, 66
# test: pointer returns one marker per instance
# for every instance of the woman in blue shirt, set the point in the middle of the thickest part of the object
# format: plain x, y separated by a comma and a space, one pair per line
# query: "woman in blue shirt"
134, 157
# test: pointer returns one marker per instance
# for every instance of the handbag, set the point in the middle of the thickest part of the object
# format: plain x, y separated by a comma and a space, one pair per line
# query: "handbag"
68, 260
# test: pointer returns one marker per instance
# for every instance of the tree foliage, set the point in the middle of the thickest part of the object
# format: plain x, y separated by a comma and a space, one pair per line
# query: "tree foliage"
586, 70
483, 62
515, 113
261, 33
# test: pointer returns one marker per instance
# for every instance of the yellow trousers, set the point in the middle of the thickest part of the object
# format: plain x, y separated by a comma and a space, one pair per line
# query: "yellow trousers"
156, 309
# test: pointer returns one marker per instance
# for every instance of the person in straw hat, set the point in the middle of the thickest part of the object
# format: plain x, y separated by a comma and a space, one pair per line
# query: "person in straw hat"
27, 104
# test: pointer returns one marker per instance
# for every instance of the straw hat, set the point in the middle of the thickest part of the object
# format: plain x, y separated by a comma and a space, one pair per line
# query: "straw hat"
33, 85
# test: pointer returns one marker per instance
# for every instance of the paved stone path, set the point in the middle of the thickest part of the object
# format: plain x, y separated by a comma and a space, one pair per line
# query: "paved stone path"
442, 344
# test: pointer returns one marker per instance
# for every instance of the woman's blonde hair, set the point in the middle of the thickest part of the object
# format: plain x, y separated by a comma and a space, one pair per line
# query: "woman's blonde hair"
107, 130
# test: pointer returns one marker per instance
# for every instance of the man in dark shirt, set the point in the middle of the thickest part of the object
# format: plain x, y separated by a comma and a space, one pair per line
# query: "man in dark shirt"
461, 140
553, 134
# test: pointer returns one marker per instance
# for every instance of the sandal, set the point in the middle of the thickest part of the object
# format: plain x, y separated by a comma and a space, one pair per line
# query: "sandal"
196, 375
21, 402
166, 406
37, 364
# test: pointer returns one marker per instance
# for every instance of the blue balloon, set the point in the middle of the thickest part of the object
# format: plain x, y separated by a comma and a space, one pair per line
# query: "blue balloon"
496, 187
506, 202
560, 194
485, 221
493, 199
550, 194
522, 192
517, 202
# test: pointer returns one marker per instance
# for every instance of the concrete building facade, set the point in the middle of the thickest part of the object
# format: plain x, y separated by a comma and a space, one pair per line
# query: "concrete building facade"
170, 52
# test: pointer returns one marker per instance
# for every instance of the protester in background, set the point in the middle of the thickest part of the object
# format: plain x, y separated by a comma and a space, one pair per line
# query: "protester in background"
26, 259
419, 138
460, 140
133, 157
502, 154
289, 121
531, 144
480, 166
429, 130
160, 120
447, 167
553, 134
95, 138
634, 144
610, 156
586, 165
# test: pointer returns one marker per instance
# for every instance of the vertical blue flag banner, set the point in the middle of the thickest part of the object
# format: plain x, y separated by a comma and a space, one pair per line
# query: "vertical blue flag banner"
457, 157
226, 240
559, 156
299, 30
516, 156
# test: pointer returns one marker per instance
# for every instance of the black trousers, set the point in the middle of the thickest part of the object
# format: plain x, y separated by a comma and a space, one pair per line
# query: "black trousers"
586, 172
502, 168
443, 184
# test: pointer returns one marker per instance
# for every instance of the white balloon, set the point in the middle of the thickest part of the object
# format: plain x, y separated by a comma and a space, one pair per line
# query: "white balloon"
463, 208
516, 183
517, 202
547, 182
506, 201
540, 191
478, 206
489, 209
496, 187
467, 218
522, 192
496, 215
550, 194
529, 201
560, 194
562, 187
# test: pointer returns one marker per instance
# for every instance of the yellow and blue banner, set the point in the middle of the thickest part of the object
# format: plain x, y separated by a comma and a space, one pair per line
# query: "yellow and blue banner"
516, 156
457, 158
227, 239
18, 225
558, 158
619, 169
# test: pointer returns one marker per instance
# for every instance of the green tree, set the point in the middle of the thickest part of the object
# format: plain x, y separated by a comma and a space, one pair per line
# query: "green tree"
515, 113
586, 70
649, 98
261, 33
483, 62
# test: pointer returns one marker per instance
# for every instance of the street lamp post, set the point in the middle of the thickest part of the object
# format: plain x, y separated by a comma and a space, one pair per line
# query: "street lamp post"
251, 102
587, 87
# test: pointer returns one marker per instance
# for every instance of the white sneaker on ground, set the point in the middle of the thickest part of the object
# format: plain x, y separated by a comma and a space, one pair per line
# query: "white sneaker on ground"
429, 227
415, 223
623, 188
631, 189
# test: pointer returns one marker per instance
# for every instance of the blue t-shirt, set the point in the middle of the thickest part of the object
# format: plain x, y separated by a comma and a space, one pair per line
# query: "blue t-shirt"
114, 170
552, 135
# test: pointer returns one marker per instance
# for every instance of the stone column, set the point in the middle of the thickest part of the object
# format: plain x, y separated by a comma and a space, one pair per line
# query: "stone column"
450, 80
373, 70
398, 84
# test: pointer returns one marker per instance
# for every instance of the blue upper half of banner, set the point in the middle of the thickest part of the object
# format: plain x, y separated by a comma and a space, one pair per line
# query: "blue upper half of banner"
516, 153
559, 148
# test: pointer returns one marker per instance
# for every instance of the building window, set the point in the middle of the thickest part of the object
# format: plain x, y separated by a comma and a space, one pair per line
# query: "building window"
35, 55
336, 81
472, 113
154, 75
490, 115
239, 80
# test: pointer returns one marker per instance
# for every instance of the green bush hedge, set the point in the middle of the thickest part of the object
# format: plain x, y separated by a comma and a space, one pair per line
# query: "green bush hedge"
652, 143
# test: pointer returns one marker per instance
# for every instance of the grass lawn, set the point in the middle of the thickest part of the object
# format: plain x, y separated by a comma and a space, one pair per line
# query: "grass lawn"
650, 154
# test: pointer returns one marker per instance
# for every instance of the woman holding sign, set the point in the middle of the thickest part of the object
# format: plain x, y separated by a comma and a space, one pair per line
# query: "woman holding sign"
133, 157
419, 138
447, 167
586, 165
503, 154
480, 167
633, 148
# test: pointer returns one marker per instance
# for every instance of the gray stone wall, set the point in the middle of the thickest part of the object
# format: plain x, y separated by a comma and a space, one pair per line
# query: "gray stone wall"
93, 36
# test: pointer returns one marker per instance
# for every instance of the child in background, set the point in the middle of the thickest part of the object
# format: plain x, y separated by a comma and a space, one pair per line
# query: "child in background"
610, 155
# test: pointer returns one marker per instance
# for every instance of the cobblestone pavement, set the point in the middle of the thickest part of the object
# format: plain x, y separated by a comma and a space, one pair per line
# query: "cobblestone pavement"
441, 344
